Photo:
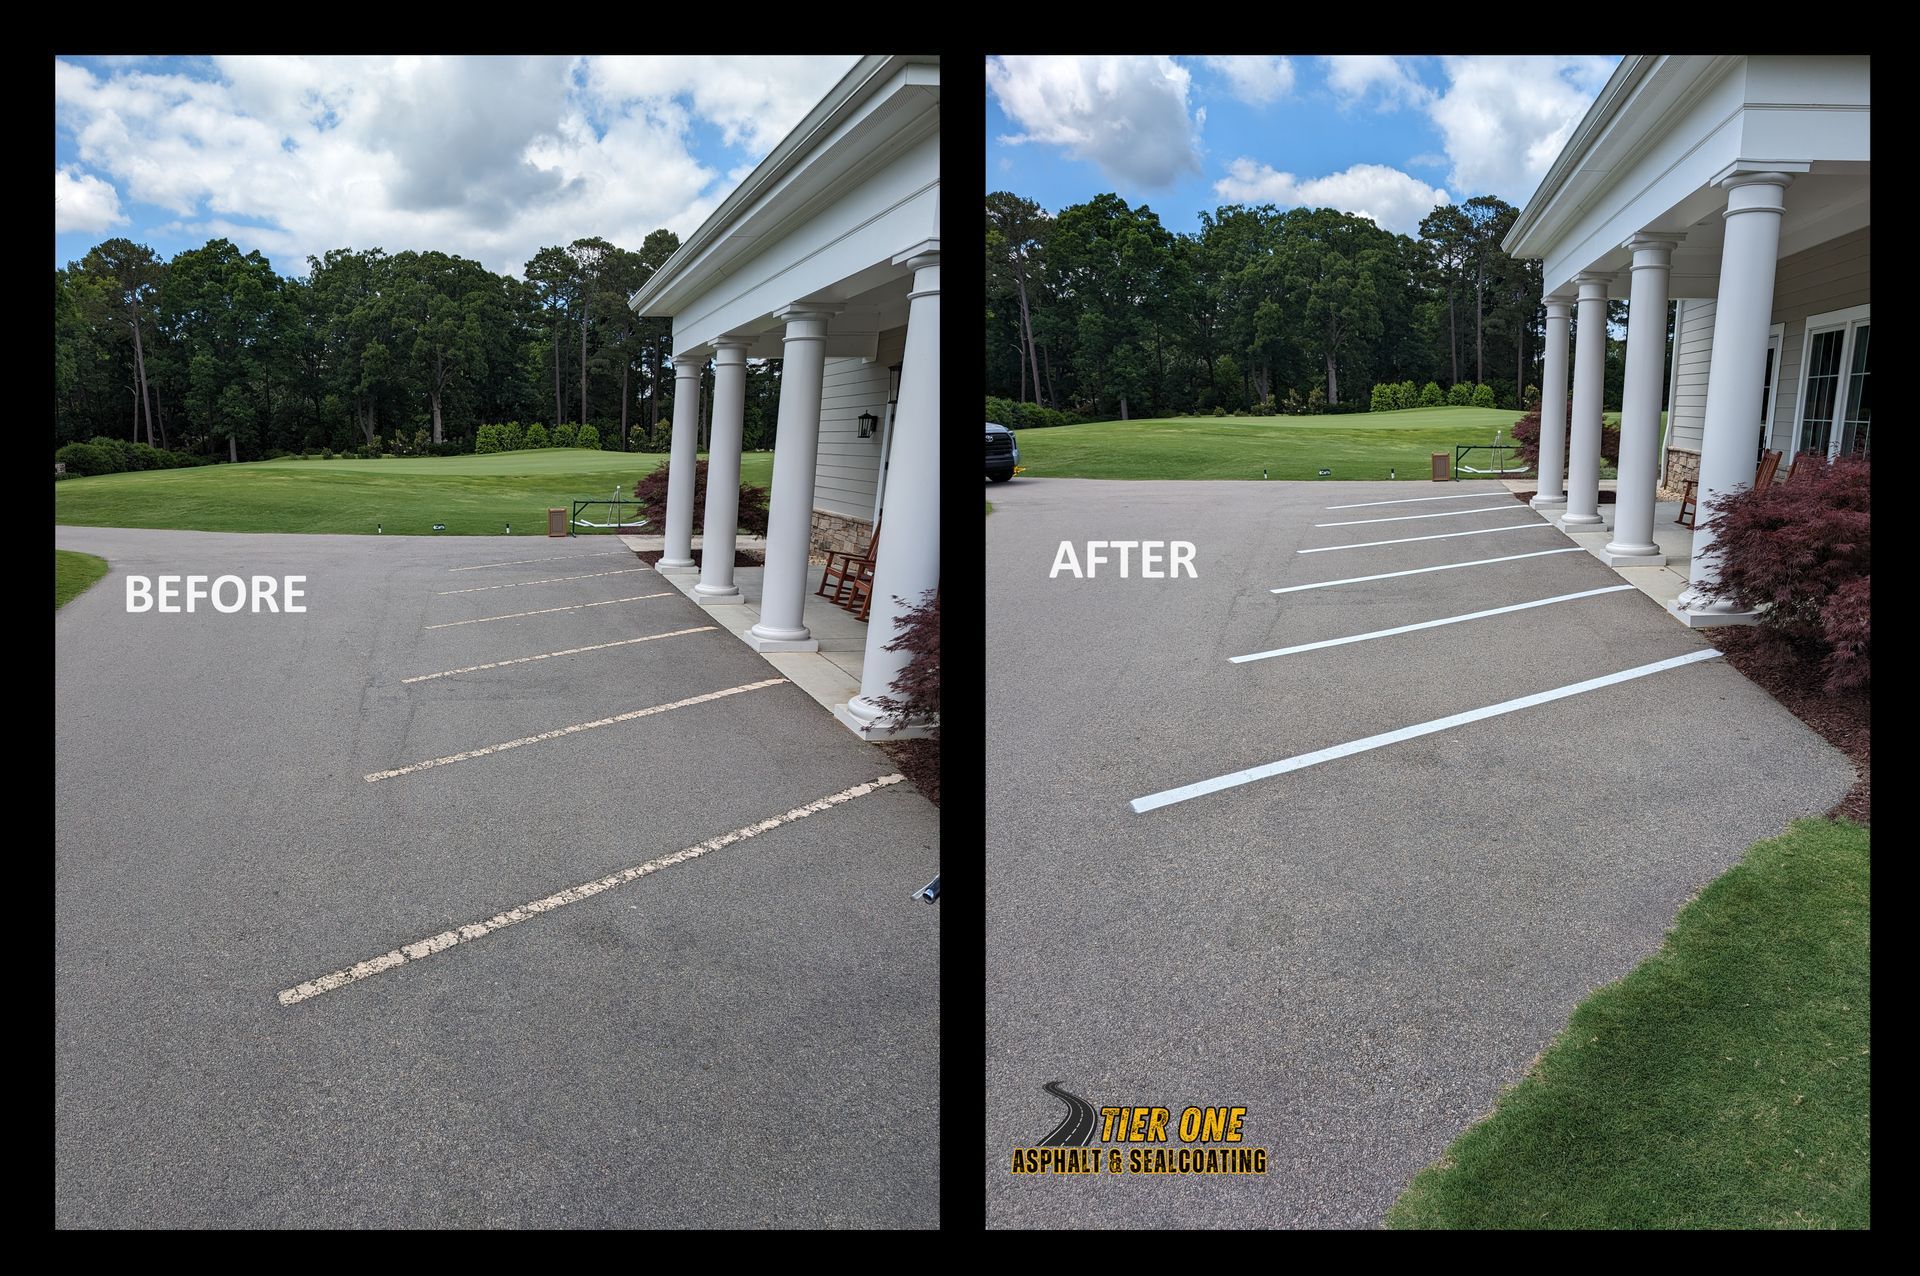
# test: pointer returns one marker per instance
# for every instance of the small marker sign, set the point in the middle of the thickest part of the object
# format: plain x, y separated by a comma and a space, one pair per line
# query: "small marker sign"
439, 527
1326, 473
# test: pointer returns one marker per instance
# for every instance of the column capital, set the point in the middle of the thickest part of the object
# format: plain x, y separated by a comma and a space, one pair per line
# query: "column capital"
732, 348
1593, 285
1559, 307
687, 365
924, 253
1755, 192
1657, 247
801, 311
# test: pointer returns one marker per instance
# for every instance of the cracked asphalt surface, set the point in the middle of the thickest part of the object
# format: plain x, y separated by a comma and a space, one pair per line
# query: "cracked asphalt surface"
1365, 952
724, 1043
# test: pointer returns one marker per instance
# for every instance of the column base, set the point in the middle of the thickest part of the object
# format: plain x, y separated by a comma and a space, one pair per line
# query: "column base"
1695, 616
1633, 556
781, 639
1582, 523
870, 724
676, 567
728, 597
1549, 502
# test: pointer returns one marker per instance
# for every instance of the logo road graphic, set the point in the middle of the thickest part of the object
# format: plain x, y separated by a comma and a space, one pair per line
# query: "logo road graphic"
1077, 1129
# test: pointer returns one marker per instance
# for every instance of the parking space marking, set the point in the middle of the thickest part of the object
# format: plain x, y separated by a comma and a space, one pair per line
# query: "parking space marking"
1428, 624
1299, 762
1407, 540
578, 726
547, 611
481, 589
1416, 571
551, 558
1414, 500
514, 916
549, 655
1407, 518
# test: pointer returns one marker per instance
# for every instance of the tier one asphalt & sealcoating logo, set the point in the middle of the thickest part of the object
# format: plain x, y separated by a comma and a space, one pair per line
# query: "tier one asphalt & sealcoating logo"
1152, 1141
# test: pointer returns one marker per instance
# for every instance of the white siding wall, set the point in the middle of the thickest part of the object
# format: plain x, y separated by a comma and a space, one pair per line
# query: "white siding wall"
849, 466
1832, 276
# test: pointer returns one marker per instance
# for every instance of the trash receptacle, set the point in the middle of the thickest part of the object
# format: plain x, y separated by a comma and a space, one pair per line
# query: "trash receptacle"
556, 522
1442, 467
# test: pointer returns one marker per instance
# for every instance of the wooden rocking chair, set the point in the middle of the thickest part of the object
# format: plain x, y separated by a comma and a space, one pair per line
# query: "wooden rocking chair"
1689, 505
846, 569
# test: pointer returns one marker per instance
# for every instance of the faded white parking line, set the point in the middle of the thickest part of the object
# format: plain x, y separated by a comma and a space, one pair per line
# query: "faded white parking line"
1407, 518
481, 589
571, 651
463, 934
1414, 500
1407, 540
551, 558
1416, 571
1299, 762
1428, 624
578, 726
547, 611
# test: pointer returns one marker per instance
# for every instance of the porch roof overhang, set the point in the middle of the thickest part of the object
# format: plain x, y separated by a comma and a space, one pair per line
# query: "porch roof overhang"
1666, 128
819, 221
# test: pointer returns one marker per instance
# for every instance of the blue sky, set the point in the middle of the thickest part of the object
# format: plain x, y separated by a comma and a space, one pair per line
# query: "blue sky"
1389, 137
490, 158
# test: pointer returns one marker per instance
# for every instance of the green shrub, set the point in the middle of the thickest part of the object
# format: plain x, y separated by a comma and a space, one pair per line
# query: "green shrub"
537, 435
587, 436
1218, 410
1294, 407
1316, 401
564, 435
84, 459
326, 454
1430, 396
1483, 396
1532, 400
1459, 395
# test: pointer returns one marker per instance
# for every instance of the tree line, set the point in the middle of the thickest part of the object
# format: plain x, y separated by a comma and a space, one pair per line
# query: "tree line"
214, 353
1101, 310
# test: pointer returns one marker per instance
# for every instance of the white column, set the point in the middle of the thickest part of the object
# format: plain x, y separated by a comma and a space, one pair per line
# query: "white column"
716, 585
909, 557
796, 448
1589, 383
682, 461
1632, 544
1553, 408
1742, 319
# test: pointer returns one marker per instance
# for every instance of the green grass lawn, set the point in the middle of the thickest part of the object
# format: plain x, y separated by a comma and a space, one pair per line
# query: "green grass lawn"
73, 573
472, 495
1724, 1083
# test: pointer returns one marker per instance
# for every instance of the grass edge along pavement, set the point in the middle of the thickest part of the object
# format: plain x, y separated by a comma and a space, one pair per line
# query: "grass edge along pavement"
74, 573
471, 495
1724, 1083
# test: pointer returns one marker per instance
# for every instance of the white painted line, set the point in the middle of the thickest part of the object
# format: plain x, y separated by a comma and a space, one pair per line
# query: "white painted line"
1407, 540
481, 589
571, 651
1428, 624
514, 916
579, 726
1407, 518
552, 558
1299, 762
545, 611
1416, 571
1413, 500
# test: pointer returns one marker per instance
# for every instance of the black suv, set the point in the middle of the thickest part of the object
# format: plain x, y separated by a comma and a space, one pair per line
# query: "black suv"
1002, 453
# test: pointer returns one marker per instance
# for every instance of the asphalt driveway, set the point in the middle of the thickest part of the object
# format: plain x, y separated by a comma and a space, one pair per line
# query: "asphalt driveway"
1365, 951
727, 1041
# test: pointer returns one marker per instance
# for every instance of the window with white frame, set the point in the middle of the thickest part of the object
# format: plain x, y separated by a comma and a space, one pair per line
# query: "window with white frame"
1835, 400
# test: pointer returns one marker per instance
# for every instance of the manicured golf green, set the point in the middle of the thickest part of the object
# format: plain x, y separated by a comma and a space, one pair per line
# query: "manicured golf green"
1725, 1083
471, 495
73, 573
1363, 445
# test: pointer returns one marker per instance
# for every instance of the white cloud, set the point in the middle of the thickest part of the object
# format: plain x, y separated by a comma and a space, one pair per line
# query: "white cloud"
82, 201
490, 158
1127, 115
1255, 79
1388, 197
1427, 159
1353, 76
1504, 119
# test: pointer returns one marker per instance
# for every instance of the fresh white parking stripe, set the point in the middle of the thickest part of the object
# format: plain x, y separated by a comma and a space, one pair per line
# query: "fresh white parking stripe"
481, 589
1407, 518
1299, 762
1413, 500
1428, 624
1416, 571
514, 916
571, 651
551, 558
1407, 540
546, 611
578, 726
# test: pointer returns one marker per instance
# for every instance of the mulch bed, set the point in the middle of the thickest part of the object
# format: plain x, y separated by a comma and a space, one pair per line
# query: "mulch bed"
1606, 497
919, 761
1843, 720
741, 558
